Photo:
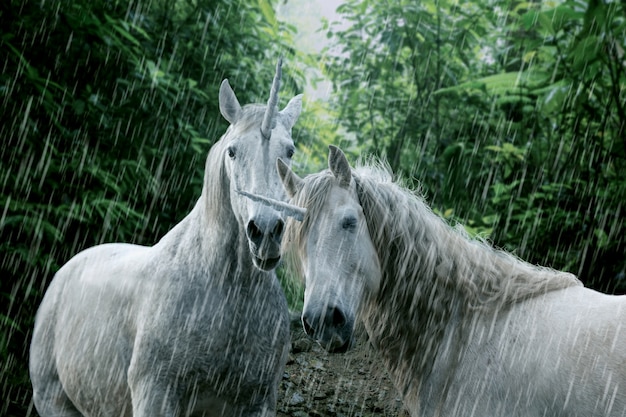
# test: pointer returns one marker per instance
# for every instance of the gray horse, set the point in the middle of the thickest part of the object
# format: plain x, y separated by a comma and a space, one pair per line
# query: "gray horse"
464, 329
196, 325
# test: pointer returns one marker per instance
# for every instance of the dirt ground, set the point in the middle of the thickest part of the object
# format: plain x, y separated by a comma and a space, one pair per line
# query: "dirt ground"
321, 384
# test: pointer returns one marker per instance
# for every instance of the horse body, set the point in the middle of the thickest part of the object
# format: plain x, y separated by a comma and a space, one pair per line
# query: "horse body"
559, 354
195, 325
464, 329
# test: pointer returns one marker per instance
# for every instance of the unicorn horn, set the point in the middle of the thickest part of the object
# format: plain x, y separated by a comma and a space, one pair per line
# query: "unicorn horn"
269, 119
287, 209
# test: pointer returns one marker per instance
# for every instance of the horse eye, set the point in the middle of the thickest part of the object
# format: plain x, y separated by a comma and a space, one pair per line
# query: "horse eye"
349, 223
290, 152
231, 153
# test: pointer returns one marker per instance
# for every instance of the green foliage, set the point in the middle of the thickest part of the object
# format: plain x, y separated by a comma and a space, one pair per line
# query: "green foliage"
107, 112
293, 287
393, 57
509, 113
315, 131
570, 211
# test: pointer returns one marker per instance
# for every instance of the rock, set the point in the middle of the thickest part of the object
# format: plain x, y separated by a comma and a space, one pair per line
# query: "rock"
301, 345
318, 395
296, 399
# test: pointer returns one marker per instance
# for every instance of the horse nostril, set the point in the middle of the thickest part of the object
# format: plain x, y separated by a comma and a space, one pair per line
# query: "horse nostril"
254, 233
338, 318
308, 329
278, 229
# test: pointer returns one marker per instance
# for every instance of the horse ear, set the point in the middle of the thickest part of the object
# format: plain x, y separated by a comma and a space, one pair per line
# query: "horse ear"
290, 113
339, 165
229, 105
291, 181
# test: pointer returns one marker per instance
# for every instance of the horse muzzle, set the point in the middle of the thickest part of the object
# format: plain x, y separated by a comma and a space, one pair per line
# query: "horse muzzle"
265, 264
329, 327
264, 239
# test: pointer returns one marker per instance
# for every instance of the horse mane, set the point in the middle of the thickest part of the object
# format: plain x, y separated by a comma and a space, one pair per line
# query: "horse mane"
410, 237
312, 195
251, 117
430, 270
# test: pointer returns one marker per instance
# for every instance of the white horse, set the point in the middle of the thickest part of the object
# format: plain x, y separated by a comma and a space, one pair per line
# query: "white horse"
464, 329
196, 325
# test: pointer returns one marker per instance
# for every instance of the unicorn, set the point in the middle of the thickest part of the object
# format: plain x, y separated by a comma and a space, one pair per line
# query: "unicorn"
196, 325
464, 329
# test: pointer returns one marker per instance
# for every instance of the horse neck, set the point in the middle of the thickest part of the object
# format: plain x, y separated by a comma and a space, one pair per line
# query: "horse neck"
210, 237
436, 279
408, 317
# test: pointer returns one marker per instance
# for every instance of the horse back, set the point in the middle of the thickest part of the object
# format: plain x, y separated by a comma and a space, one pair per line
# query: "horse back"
562, 353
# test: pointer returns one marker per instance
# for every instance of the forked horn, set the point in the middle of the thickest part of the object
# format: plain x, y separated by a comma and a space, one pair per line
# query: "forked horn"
287, 209
269, 118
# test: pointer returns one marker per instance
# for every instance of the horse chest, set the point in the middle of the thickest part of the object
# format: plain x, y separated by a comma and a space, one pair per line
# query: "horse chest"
225, 339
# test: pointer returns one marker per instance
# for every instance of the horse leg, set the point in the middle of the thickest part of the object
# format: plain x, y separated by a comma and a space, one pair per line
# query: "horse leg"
49, 396
52, 401
152, 399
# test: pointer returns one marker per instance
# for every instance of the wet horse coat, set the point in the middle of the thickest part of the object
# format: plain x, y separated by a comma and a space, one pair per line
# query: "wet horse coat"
194, 325
464, 329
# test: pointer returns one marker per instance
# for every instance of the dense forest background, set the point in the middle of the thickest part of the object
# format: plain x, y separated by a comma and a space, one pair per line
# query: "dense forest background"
509, 116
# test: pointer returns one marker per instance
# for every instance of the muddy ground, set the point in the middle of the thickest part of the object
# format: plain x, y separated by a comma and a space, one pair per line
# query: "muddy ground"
320, 384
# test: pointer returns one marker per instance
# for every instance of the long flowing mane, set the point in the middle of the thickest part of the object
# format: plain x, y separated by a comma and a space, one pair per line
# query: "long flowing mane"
413, 242
430, 269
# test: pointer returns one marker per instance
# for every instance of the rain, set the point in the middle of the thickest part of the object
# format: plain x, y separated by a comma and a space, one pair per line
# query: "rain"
505, 121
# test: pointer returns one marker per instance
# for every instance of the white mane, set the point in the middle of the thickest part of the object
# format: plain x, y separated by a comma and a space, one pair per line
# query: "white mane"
430, 269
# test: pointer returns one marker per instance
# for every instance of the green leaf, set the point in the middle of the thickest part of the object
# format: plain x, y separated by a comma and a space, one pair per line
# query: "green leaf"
552, 20
602, 238
122, 28
79, 107
585, 51
554, 97
268, 13
563, 14
500, 84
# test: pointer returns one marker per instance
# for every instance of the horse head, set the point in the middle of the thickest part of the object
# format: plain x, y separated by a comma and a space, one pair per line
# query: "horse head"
257, 136
333, 247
